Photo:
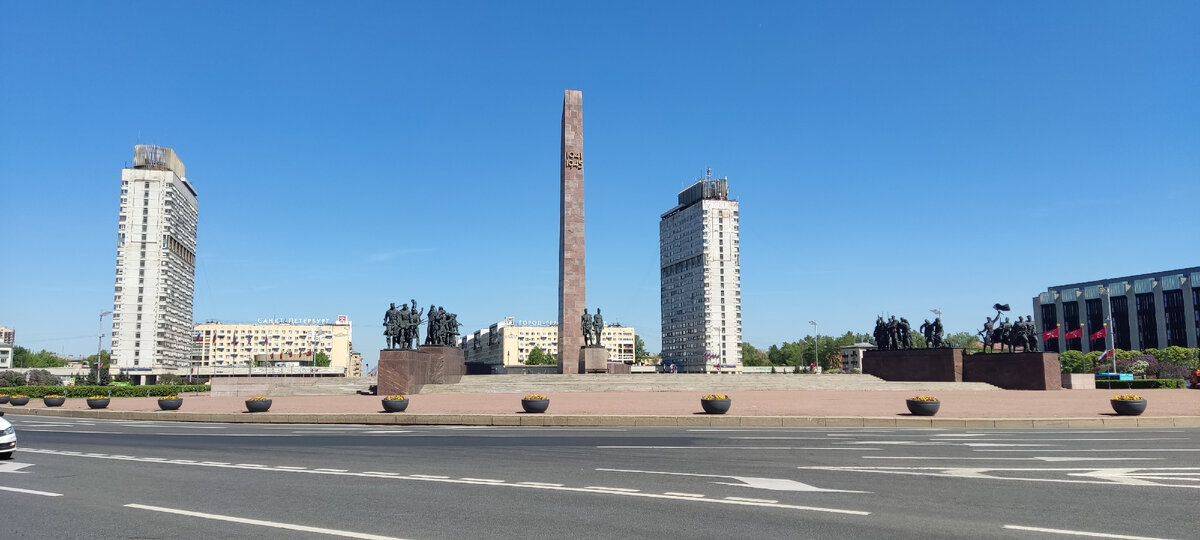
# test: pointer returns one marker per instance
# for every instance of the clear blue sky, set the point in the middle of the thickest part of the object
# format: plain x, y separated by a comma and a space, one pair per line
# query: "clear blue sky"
889, 157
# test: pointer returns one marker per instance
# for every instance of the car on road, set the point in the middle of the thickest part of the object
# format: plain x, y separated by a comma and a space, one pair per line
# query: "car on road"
8, 438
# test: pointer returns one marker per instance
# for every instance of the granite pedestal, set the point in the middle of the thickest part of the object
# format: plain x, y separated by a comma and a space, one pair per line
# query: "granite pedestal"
944, 365
406, 371
593, 359
1015, 371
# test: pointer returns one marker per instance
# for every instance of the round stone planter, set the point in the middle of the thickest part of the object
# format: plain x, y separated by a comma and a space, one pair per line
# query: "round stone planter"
716, 406
395, 405
54, 401
170, 404
535, 405
4, 399
1131, 407
923, 408
97, 403
258, 406
19, 401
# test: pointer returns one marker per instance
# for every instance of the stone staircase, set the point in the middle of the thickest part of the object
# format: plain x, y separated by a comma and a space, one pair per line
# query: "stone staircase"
541, 383
289, 386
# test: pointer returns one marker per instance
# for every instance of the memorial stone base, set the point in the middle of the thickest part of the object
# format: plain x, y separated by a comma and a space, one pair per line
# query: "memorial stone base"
1015, 371
406, 371
945, 365
593, 359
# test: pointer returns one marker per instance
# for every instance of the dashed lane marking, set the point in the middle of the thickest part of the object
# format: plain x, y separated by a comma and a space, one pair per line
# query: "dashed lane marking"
1080, 533
263, 523
30, 491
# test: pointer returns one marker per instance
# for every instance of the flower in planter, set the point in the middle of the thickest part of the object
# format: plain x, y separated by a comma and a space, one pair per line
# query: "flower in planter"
53, 396
922, 398
18, 396
715, 396
97, 397
535, 397
259, 398
395, 398
172, 396
1127, 397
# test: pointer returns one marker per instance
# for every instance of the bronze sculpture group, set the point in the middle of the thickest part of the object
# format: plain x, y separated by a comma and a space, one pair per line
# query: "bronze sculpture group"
893, 334
1009, 335
593, 327
402, 326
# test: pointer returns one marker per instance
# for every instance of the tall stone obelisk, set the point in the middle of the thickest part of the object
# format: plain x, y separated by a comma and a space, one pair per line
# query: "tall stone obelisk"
572, 288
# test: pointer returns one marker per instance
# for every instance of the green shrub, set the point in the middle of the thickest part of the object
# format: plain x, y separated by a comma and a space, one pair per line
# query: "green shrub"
81, 391
1075, 362
1140, 384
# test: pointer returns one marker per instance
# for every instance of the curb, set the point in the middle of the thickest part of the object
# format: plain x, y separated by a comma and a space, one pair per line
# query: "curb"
692, 420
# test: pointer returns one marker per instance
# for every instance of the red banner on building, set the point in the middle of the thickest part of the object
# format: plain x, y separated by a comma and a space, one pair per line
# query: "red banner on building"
1050, 335
1074, 334
1097, 335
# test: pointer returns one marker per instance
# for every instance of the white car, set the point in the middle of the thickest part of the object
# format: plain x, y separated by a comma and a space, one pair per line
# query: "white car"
8, 439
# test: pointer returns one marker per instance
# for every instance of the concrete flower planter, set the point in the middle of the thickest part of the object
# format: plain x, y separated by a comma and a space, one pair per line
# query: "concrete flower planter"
258, 405
54, 401
923, 408
715, 406
98, 403
19, 401
395, 405
170, 404
4, 399
535, 405
1129, 407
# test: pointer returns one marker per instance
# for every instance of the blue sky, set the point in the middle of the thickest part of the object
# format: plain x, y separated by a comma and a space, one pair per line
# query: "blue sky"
889, 157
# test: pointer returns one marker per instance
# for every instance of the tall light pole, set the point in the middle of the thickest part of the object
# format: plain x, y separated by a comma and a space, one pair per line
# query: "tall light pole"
100, 338
816, 344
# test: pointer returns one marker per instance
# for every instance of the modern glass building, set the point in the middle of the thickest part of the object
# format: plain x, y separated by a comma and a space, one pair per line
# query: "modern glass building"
1146, 311
700, 275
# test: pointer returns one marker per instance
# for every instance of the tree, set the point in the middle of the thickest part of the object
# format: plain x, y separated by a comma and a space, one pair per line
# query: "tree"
11, 378
22, 358
639, 349
538, 357
964, 340
753, 357
918, 340
41, 377
1074, 362
321, 359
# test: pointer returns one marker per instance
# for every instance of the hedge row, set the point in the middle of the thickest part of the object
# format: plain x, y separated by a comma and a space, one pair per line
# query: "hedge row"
80, 391
1140, 383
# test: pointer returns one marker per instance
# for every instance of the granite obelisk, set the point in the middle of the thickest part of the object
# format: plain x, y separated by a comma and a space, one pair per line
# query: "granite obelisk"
572, 288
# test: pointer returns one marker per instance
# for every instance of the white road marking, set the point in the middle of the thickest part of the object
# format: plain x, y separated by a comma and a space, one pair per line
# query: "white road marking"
1108, 477
381, 472
275, 524
1104, 450
485, 480
773, 484
1039, 458
605, 488
689, 495
501, 484
290, 467
1080, 533
540, 484
31, 491
74, 431
11, 467
635, 447
329, 470
387, 432
228, 434
747, 499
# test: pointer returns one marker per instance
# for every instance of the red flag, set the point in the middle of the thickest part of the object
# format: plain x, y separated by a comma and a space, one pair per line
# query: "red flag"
1050, 335
272, 356
310, 353
1099, 334
1074, 334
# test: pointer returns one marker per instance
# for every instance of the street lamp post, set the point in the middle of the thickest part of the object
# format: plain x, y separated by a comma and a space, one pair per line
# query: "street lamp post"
100, 341
816, 344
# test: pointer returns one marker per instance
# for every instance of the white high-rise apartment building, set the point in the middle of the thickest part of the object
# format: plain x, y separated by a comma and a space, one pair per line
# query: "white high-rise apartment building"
701, 280
156, 262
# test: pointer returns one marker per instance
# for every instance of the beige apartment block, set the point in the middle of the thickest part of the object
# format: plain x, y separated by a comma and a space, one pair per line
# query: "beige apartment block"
216, 344
512, 341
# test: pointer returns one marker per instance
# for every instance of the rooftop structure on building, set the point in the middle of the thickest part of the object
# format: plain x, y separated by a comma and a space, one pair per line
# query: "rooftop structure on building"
1145, 311
156, 262
701, 298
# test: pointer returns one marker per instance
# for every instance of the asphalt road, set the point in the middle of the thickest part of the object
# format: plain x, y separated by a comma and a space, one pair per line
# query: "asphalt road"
80, 478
